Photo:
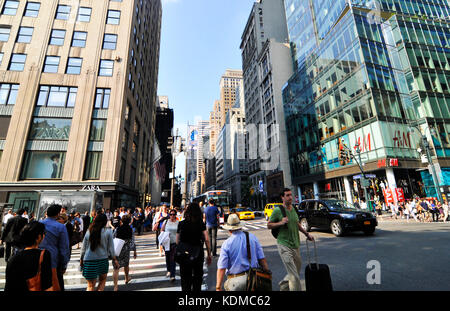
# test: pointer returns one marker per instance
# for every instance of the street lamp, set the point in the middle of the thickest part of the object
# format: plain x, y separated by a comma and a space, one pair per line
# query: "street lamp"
364, 181
426, 146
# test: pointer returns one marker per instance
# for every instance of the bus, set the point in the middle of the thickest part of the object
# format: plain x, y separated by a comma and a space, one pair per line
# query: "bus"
221, 200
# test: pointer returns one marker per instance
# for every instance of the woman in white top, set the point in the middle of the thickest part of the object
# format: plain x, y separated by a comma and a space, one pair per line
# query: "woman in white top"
171, 226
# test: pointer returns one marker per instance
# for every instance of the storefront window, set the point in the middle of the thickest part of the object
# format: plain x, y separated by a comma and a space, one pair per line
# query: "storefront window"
43, 165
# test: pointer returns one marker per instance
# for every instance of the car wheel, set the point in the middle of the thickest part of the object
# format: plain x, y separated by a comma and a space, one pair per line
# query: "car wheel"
305, 225
336, 228
369, 231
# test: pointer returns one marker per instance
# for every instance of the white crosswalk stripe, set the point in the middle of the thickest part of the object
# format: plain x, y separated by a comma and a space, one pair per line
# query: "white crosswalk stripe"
147, 271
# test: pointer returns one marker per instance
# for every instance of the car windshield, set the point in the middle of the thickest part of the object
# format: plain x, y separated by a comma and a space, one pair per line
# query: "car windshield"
340, 205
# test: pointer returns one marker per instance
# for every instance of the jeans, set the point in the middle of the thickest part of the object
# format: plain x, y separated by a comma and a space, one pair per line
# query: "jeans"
435, 216
170, 260
212, 232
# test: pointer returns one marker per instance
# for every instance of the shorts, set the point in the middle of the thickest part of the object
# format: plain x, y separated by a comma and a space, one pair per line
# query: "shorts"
93, 268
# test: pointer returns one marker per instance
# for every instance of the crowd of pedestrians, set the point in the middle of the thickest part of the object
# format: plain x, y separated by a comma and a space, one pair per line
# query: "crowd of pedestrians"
45, 246
421, 210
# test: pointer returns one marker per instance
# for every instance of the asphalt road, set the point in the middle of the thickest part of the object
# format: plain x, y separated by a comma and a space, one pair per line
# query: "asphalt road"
411, 256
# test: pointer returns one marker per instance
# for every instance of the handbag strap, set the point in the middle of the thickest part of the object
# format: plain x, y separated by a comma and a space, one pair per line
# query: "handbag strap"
249, 252
41, 259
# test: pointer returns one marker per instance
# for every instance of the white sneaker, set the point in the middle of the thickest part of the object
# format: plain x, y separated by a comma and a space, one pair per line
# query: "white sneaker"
168, 274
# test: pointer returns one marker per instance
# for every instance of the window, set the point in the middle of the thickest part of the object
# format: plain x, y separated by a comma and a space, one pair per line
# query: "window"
102, 98
57, 96
43, 165
10, 7
109, 41
79, 39
113, 17
57, 37
4, 33
50, 129
98, 130
106, 68
25, 34
84, 15
93, 165
51, 64
32, 9
8, 93
63, 12
17, 62
74, 66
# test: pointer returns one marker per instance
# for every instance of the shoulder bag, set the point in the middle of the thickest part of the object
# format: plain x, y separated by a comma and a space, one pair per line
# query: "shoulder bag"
258, 280
186, 253
34, 284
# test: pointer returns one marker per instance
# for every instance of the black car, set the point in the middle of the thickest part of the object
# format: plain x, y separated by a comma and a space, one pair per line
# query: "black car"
337, 215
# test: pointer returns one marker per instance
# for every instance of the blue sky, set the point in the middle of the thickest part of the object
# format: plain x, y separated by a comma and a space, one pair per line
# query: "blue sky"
200, 39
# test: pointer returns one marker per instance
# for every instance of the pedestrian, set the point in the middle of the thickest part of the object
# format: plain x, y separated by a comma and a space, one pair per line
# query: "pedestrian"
11, 234
434, 211
171, 226
97, 247
125, 233
86, 222
233, 259
192, 231
8, 215
407, 211
115, 222
25, 265
288, 240
445, 209
393, 210
138, 220
160, 218
56, 241
212, 214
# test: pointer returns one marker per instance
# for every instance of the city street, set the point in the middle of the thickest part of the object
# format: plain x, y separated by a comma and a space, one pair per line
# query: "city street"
412, 256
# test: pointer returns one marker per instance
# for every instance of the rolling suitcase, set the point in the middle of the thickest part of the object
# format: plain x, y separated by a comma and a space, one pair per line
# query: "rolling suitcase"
317, 276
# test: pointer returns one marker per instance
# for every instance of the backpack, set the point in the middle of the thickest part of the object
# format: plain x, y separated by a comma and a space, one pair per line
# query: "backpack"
275, 231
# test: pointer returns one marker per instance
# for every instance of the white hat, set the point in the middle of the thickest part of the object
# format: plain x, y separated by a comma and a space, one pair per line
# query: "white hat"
233, 223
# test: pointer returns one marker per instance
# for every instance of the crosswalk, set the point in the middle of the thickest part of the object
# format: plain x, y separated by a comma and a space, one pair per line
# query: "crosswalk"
252, 225
148, 271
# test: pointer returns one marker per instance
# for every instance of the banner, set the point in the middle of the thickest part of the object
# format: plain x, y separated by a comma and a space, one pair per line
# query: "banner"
388, 196
400, 195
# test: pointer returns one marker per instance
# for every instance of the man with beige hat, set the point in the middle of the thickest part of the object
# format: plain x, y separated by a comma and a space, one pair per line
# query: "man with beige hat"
233, 258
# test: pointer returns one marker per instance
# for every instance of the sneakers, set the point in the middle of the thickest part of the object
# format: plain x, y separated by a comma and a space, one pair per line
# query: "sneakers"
168, 274
172, 279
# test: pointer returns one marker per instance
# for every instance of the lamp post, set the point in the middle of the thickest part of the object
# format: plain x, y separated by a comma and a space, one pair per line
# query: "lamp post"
358, 161
174, 155
426, 145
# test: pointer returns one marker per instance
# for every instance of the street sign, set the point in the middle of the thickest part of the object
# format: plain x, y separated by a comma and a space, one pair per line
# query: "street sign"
261, 186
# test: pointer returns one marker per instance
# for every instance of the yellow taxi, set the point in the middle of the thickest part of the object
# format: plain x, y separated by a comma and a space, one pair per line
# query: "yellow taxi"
244, 213
269, 209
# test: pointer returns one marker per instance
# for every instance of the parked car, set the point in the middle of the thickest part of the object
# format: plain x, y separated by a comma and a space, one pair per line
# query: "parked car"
339, 216
244, 213
269, 209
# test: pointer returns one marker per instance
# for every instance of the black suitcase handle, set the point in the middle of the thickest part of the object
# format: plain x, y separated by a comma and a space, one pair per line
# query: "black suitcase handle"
309, 255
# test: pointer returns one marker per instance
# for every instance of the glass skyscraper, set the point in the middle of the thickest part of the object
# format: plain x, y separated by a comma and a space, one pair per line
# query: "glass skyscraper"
374, 74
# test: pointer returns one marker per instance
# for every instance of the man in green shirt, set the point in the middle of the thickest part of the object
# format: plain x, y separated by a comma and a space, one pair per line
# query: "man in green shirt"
288, 240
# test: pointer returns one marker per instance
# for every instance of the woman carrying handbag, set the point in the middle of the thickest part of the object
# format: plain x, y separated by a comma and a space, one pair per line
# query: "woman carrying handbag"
30, 269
